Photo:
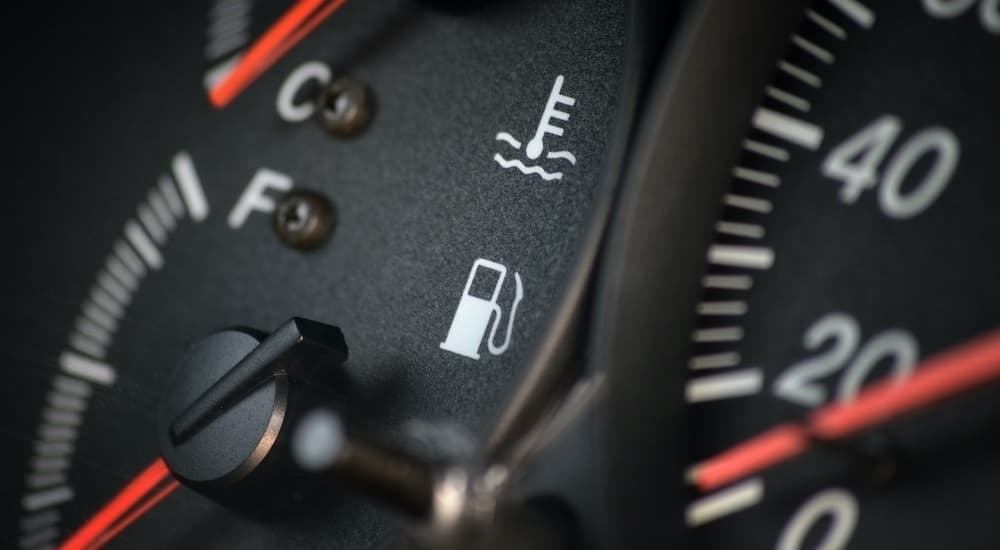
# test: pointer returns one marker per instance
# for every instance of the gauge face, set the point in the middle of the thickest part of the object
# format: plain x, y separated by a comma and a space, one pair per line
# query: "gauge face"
431, 274
439, 163
848, 250
843, 292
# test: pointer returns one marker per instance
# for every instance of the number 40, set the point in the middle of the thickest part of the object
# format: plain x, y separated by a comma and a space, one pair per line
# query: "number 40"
856, 163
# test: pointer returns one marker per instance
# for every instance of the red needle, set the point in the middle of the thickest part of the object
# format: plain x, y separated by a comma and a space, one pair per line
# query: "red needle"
944, 375
287, 31
141, 494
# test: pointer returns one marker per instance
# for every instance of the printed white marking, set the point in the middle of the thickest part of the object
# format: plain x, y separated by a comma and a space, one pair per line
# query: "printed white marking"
66, 402
827, 25
756, 176
99, 316
748, 230
747, 203
44, 499
535, 147
735, 307
170, 194
53, 449
295, 102
114, 288
788, 128
145, 247
801, 74
61, 418
104, 300
789, 99
727, 501
44, 465
750, 257
715, 361
740, 383
37, 521
121, 273
229, 27
129, 258
57, 433
37, 539
728, 282
816, 51
856, 11
151, 223
71, 386
254, 196
85, 345
471, 323
190, 186
43, 480
722, 334
94, 332
770, 151
160, 208
87, 369
525, 169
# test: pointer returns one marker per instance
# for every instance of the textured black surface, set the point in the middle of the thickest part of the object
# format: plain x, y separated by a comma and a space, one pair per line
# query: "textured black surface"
419, 198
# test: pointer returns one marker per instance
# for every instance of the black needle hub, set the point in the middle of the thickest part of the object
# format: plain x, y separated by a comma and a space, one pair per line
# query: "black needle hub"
225, 422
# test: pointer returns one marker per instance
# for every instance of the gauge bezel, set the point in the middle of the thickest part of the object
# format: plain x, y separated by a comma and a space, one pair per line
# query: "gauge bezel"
548, 374
697, 116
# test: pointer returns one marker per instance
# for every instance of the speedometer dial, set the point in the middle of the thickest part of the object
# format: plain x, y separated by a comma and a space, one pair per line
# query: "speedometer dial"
832, 394
849, 248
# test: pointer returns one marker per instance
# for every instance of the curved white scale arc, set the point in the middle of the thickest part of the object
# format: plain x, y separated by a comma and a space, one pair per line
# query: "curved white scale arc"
133, 255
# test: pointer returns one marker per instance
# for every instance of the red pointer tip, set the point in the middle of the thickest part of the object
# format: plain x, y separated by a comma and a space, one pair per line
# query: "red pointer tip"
144, 491
944, 375
287, 31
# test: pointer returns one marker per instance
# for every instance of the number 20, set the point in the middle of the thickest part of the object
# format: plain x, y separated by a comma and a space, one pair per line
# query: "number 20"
799, 383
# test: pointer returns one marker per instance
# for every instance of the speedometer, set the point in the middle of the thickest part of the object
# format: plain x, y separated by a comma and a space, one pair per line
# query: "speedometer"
820, 345
544, 275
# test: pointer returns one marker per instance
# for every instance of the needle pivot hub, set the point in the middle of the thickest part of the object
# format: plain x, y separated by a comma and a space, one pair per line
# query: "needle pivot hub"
225, 421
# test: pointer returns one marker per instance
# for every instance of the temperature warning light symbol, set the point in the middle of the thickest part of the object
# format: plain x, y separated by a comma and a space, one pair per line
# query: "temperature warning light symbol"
536, 145
472, 317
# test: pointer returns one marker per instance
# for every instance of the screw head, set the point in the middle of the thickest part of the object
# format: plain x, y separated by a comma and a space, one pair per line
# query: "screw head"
304, 219
344, 107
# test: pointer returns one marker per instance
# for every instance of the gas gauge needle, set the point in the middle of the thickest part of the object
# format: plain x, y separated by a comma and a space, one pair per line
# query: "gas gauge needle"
947, 374
287, 31
141, 494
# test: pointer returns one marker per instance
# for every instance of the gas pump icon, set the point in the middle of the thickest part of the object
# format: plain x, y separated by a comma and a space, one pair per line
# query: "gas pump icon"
472, 318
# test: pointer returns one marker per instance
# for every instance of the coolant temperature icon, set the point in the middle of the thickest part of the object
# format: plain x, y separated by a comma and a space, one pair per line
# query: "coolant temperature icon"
472, 318
547, 126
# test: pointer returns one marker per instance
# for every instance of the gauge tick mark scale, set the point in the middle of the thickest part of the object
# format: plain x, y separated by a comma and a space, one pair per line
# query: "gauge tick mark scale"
190, 186
725, 502
728, 385
788, 128
132, 257
855, 11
